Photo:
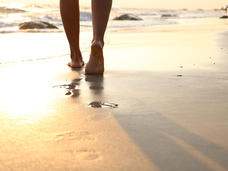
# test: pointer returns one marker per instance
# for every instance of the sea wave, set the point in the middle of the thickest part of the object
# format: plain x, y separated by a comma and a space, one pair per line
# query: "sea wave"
6, 10
85, 16
10, 18
3, 24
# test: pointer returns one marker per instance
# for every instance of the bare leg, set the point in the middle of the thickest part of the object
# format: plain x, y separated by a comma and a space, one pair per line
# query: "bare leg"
101, 10
71, 20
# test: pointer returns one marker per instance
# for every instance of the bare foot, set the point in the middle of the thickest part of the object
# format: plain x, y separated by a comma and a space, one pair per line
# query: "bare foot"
95, 66
76, 61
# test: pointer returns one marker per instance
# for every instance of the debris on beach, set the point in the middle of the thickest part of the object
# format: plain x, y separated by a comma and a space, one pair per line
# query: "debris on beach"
179, 75
36, 25
128, 17
98, 104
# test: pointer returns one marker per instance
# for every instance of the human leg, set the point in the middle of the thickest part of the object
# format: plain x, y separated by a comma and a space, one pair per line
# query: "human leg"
71, 21
100, 15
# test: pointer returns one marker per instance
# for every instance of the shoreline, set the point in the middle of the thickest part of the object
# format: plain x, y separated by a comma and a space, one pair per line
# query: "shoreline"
203, 26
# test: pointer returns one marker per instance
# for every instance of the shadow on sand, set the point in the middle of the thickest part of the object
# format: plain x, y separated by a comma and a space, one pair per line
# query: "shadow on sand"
150, 130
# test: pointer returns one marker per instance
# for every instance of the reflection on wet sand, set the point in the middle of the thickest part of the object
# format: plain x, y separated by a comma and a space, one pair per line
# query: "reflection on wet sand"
92, 89
95, 82
88, 87
72, 88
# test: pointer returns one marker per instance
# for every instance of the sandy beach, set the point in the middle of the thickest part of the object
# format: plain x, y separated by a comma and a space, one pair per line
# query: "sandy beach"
169, 82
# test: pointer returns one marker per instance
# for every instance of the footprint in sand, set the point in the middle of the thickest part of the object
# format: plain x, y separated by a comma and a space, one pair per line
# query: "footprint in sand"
87, 154
98, 104
91, 157
75, 136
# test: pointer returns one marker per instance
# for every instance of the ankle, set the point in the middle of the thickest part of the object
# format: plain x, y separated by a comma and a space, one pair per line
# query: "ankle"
98, 43
76, 53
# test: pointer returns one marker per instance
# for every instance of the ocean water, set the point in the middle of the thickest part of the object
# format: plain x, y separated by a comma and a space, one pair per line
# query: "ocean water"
11, 16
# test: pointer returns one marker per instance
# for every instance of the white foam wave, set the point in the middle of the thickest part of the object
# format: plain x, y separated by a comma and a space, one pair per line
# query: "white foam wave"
6, 10
7, 24
85, 16
150, 17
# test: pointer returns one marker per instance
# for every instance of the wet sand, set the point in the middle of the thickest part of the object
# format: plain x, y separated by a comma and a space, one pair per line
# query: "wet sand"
170, 84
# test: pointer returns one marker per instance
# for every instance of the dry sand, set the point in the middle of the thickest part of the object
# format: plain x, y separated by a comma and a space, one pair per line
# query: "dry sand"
170, 83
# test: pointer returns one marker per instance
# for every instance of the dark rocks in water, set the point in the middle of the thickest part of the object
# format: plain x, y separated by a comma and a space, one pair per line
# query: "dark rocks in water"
11, 10
168, 15
128, 17
224, 17
68, 93
36, 25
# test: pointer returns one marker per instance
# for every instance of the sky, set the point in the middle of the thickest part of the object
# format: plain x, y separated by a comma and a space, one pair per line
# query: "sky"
167, 4
171, 3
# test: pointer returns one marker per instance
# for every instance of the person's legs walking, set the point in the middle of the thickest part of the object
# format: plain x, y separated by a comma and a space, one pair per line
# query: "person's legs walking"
71, 20
100, 15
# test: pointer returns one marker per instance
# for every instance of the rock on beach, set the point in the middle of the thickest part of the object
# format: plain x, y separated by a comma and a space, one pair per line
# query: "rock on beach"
36, 25
224, 17
128, 17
